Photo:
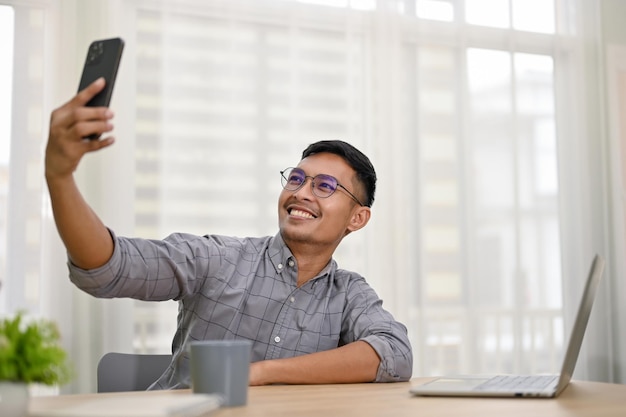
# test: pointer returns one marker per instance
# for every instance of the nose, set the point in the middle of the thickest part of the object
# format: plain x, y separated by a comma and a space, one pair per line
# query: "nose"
307, 190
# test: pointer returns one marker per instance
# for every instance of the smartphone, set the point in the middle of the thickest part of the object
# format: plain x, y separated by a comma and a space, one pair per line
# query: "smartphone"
103, 60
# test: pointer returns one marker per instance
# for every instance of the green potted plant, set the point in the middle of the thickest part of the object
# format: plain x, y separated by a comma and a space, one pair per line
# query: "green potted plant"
29, 353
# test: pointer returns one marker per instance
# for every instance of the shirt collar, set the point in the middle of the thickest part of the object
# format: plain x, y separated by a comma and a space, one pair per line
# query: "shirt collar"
280, 255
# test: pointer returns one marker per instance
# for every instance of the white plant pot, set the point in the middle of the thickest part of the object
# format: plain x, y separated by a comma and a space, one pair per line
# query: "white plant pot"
14, 398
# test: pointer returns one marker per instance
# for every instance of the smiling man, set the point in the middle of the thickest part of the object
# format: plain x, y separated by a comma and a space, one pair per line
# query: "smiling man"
308, 321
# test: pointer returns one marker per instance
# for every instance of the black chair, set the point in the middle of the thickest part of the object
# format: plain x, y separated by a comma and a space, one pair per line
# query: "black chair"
130, 372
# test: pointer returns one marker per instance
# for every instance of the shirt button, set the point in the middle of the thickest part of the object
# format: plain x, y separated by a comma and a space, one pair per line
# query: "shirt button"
277, 339
291, 263
292, 299
280, 266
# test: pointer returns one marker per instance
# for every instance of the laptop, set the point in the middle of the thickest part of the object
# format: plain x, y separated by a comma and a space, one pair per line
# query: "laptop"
523, 385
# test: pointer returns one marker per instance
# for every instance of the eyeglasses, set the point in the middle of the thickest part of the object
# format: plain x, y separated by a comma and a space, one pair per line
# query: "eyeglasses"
323, 185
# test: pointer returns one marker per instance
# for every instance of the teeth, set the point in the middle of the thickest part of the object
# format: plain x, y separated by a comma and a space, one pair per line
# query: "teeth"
301, 213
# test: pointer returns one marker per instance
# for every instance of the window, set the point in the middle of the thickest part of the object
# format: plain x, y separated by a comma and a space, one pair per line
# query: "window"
466, 132
526, 15
6, 82
22, 207
234, 103
464, 106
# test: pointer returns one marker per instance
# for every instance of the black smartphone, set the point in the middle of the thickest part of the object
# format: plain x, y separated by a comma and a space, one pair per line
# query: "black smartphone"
103, 60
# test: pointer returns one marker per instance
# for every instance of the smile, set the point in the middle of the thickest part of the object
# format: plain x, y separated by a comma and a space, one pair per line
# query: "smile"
301, 213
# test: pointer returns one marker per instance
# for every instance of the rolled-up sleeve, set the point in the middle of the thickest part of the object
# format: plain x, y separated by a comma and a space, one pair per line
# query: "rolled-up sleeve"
367, 320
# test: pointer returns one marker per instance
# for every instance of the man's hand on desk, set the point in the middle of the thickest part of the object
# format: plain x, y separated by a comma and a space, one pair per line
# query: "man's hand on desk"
355, 362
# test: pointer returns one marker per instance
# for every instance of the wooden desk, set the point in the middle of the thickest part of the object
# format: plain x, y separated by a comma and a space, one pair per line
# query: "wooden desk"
591, 399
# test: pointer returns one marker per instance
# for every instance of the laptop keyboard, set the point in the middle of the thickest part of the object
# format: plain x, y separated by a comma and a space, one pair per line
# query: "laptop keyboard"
517, 383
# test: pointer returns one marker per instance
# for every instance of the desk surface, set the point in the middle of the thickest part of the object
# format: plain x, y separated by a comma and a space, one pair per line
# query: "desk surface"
593, 399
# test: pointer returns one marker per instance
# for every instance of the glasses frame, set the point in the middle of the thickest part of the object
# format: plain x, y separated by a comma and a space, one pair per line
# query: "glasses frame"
285, 181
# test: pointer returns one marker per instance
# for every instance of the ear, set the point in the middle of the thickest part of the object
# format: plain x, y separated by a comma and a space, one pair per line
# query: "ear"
360, 217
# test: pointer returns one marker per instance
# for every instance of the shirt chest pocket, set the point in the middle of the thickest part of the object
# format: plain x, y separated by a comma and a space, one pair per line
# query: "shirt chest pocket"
317, 332
311, 342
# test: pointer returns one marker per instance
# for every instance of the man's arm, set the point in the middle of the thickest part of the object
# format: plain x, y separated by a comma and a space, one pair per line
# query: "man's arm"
377, 349
351, 363
87, 240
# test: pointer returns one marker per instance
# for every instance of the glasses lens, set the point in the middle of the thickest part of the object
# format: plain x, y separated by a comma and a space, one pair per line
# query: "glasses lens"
324, 185
292, 178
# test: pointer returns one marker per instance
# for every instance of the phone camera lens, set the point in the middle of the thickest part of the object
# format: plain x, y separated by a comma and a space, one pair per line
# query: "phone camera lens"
95, 52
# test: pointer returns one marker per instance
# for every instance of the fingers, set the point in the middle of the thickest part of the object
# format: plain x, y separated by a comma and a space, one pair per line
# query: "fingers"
83, 96
71, 115
88, 92
70, 124
64, 114
85, 121
76, 123
94, 145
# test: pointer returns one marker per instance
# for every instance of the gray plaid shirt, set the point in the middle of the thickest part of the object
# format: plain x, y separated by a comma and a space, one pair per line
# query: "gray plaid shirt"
245, 288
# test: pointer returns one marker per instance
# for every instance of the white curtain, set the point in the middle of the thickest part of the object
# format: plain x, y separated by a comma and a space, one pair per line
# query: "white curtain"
485, 126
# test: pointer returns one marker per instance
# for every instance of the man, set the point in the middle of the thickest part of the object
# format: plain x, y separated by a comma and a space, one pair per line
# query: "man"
309, 321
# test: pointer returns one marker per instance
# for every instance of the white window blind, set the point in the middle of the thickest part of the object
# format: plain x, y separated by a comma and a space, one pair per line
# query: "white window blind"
22, 206
461, 118
464, 106
224, 103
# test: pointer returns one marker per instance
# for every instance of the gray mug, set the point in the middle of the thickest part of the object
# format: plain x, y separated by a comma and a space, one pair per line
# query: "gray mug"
221, 367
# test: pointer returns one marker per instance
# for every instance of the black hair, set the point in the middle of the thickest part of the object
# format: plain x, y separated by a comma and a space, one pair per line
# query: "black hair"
357, 160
